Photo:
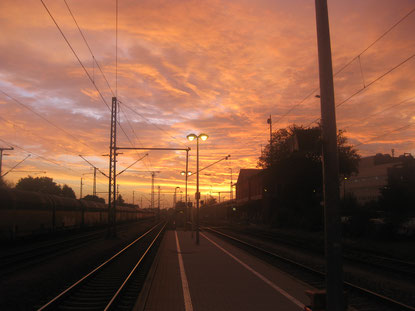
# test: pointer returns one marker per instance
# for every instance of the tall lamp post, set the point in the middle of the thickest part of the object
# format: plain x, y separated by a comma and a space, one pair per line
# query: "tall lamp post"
192, 137
186, 174
175, 197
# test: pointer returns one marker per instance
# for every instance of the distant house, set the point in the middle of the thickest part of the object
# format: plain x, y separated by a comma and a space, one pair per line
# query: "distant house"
373, 175
249, 185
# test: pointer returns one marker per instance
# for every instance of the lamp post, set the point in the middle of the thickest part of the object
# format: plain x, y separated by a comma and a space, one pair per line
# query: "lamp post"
192, 137
186, 174
175, 197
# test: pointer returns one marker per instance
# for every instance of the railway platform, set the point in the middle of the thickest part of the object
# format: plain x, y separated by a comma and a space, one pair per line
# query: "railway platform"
215, 275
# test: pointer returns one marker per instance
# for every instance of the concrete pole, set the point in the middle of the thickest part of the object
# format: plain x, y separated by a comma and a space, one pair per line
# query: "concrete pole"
94, 190
80, 191
158, 200
197, 191
187, 175
333, 250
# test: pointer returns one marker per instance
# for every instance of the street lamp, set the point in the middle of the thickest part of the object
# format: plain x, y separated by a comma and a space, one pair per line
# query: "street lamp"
175, 197
192, 137
183, 173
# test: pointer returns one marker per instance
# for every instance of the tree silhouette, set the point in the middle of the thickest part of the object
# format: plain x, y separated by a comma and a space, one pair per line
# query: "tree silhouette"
293, 175
44, 185
94, 198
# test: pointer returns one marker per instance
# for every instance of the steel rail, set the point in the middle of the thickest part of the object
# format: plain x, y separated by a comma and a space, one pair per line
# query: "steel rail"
390, 301
87, 276
116, 295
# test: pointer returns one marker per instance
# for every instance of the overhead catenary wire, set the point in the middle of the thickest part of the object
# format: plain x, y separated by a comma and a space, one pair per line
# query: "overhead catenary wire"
151, 123
89, 48
385, 134
38, 155
82, 65
350, 62
44, 118
368, 85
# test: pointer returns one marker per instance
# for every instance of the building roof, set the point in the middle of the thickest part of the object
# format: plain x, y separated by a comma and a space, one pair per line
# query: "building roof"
246, 173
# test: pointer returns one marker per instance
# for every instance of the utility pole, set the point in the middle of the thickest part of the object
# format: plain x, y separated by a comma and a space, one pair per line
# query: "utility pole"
112, 184
80, 190
269, 121
152, 189
94, 188
1, 157
333, 251
158, 200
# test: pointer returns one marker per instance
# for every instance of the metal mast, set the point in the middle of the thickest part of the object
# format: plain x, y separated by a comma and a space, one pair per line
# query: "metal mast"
112, 170
333, 248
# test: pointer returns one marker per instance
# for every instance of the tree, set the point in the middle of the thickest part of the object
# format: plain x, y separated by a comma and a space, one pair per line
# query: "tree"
39, 184
94, 198
293, 175
44, 185
68, 192
120, 200
299, 142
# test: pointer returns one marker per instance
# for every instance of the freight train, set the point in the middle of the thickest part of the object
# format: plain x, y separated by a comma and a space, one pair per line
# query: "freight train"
25, 213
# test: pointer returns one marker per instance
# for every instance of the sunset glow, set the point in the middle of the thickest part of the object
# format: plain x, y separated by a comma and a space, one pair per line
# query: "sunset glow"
214, 67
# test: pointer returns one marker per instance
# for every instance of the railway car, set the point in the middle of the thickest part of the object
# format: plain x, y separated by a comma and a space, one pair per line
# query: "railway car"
24, 213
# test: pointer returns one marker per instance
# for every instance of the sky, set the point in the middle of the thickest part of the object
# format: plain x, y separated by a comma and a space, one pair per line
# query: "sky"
180, 67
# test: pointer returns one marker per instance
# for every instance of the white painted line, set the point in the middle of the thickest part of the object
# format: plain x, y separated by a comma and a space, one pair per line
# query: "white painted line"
263, 278
186, 293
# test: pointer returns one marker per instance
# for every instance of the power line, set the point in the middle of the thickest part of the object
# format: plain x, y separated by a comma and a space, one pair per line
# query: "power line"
149, 122
45, 119
387, 108
30, 132
89, 48
76, 55
387, 133
82, 65
368, 85
350, 62
39, 156
374, 42
132, 129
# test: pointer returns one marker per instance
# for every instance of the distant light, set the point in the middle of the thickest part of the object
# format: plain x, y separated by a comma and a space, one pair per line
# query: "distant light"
182, 173
203, 136
191, 137
234, 208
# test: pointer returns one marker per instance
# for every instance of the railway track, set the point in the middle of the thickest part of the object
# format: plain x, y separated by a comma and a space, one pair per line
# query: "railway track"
360, 298
23, 257
115, 284
404, 268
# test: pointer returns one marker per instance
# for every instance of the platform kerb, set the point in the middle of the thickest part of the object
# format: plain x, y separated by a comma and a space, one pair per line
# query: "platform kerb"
220, 277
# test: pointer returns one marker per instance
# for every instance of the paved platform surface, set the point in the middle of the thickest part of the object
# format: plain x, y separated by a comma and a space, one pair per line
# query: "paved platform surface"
216, 276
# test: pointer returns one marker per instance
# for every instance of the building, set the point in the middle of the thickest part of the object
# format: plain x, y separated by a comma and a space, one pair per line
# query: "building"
373, 176
249, 185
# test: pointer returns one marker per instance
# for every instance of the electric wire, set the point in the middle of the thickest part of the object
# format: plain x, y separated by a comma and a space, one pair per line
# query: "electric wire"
38, 155
385, 134
75, 54
368, 85
149, 122
45, 119
89, 47
82, 65
351, 61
